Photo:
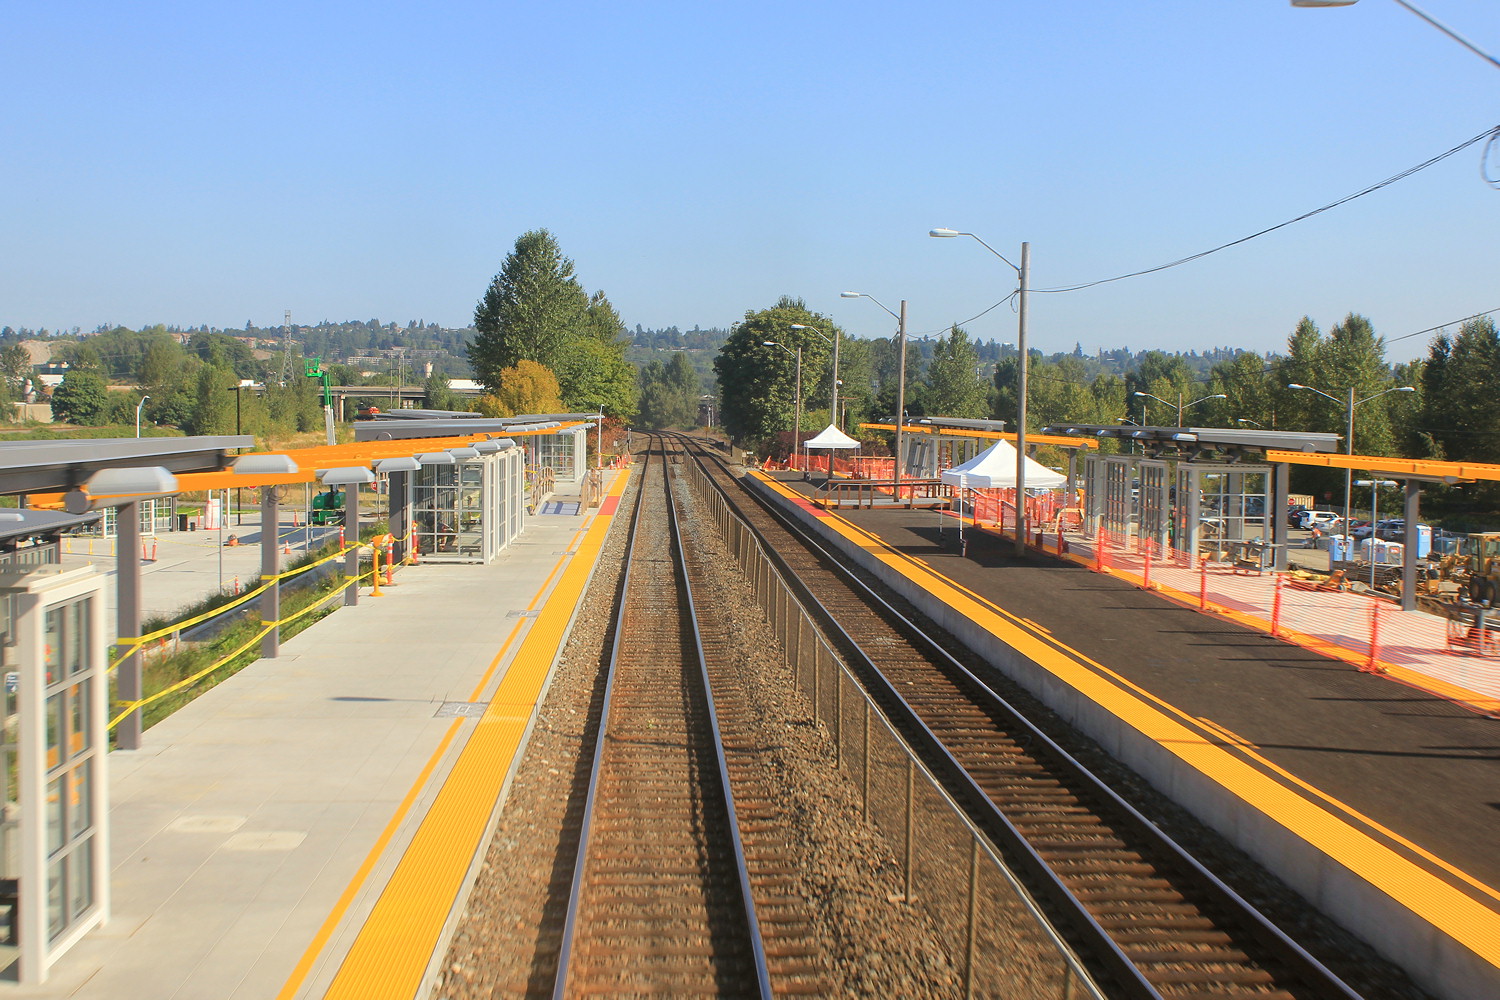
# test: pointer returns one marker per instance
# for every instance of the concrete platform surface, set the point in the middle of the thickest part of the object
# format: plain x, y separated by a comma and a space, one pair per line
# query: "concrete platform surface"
257, 826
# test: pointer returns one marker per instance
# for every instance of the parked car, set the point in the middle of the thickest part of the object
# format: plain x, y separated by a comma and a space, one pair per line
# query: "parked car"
1294, 512
1394, 529
1324, 520
1363, 529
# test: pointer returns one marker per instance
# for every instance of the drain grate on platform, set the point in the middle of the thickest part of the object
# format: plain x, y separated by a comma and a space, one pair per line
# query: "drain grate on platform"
460, 710
523, 614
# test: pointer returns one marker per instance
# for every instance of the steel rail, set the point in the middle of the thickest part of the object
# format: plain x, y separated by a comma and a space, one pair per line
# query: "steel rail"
618, 641
742, 870
988, 815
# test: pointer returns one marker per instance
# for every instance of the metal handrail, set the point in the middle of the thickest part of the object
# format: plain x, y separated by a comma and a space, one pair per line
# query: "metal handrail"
1289, 950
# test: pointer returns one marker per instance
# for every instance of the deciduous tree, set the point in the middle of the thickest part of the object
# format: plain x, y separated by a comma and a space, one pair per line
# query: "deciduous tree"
525, 387
81, 398
756, 382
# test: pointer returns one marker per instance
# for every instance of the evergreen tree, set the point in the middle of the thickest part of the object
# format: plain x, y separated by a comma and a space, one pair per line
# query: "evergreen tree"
953, 386
530, 310
1459, 415
213, 409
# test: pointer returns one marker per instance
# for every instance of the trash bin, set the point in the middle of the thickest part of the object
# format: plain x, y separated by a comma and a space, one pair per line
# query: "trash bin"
182, 522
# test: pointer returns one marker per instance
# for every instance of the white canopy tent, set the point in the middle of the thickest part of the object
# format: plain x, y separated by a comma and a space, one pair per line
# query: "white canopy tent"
995, 468
830, 437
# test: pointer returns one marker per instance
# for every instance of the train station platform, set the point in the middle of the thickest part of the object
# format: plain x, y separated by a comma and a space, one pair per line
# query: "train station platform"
308, 827
1374, 799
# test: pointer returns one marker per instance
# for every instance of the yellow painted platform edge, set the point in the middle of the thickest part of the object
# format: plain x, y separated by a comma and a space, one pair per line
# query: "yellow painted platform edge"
1460, 916
393, 948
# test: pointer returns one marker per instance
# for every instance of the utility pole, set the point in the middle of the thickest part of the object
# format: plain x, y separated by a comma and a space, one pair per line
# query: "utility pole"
900, 390
286, 348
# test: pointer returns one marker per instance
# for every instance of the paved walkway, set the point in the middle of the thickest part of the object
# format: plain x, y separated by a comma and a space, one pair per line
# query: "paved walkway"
1410, 646
254, 832
187, 566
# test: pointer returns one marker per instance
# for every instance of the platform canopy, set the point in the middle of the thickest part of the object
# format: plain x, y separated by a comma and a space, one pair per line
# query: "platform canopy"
830, 437
995, 468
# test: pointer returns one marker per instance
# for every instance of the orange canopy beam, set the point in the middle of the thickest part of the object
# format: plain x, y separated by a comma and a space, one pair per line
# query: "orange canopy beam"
1426, 468
1061, 440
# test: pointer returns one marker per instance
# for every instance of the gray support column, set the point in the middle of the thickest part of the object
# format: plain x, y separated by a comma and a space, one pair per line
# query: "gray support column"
1070, 489
128, 618
398, 499
1281, 480
270, 565
351, 538
1194, 500
1409, 549
1234, 516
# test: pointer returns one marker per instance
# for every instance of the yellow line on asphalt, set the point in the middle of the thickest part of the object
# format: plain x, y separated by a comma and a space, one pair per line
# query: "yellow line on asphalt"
1461, 916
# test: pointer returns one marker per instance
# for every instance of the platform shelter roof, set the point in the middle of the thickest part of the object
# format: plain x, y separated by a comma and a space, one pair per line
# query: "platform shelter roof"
58, 466
1225, 440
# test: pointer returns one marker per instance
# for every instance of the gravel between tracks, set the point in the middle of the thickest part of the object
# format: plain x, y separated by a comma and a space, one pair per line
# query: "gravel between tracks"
506, 942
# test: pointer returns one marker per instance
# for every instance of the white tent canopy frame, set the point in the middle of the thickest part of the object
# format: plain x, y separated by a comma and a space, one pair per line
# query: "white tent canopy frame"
830, 437
995, 468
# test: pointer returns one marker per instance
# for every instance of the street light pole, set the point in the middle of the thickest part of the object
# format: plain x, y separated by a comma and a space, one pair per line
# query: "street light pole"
1349, 405
797, 419
1460, 39
1411, 529
138, 415
1180, 404
1024, 273
833, 406
900, 375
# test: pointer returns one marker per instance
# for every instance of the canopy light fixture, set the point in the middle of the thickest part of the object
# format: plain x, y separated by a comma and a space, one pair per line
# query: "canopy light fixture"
265, 465
346, 475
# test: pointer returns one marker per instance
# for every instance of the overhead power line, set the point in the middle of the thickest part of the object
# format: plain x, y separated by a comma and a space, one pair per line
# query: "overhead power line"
1488, 135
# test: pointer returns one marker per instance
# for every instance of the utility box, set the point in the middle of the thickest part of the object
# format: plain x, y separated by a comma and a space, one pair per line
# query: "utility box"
54, 843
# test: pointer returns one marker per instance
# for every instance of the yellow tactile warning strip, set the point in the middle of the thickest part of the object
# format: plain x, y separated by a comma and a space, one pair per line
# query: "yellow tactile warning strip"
396, 943
1303, 810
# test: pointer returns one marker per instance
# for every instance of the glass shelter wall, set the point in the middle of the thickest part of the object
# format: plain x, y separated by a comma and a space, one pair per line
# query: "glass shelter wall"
565, 453
53, 829
1193, 508
469, 511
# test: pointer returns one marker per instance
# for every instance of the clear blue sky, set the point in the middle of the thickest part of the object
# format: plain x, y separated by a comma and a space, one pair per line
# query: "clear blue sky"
207, 163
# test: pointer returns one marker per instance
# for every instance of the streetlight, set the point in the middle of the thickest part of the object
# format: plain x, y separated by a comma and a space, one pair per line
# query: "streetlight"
797, 420
1349, 433
900, 375
1024, 274
238, 390
138, 415
1460, 39
1247, 420
833, 407
1180, 404
1375, 485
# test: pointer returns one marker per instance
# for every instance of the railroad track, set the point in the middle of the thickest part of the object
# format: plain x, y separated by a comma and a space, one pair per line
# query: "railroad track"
1137, 908
666, 888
